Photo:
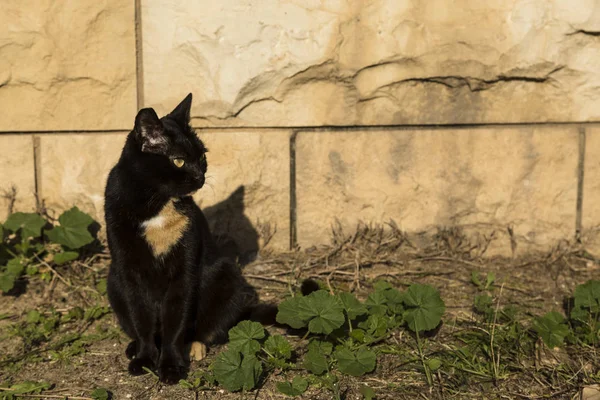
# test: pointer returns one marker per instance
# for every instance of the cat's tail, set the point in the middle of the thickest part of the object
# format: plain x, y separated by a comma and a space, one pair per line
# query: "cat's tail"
266, 313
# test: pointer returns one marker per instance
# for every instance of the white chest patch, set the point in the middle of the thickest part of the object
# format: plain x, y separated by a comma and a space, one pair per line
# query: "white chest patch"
165, 229
155, 222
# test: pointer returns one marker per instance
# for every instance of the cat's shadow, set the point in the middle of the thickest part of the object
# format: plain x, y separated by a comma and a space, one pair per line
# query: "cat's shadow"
234, 233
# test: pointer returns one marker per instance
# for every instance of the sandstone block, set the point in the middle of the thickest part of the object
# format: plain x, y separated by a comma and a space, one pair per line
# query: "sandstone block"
483, 180
590, 220
67, 65
246, 195
74, 169
381, 62
16, 170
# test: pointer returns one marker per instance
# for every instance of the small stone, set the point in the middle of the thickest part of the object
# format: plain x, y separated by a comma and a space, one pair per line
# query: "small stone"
591, 393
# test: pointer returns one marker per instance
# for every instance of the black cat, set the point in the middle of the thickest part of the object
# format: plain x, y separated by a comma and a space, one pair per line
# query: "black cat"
171, 290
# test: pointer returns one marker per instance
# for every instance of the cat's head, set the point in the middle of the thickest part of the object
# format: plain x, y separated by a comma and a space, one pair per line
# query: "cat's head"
173, 157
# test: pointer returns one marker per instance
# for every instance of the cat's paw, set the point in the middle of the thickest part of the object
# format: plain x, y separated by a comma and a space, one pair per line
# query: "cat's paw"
171, 374
136, 366
131, 350
197, 351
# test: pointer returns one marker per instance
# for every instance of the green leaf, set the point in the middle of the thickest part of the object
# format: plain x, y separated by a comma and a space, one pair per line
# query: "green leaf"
367, 392
321, 311
33, 317
7, 282
382, 285
1, 232
315, 361
434, 364
327, 312
587, 296
74, 314
490, 279
552, 328
352, 306
73, 230
244, 337
355, 363
101, 286
394, 301
377, 303
278, 347
235, 371
96, 312
294, 388
376, 325
65, 256
100, 394
424, 308
31, 224
483, 303
289, 311
14, 269
29, 387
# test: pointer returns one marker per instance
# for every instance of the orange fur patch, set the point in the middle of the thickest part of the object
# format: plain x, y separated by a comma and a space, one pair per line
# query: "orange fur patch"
165, 229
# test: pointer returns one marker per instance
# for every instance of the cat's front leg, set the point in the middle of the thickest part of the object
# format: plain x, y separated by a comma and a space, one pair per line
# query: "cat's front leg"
177, 322
137, 315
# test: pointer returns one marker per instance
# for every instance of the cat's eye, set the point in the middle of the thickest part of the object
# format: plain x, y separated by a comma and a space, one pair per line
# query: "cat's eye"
203, 157
178, 162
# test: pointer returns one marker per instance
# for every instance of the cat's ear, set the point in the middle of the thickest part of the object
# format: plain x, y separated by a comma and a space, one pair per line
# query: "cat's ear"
150, 132
181, 113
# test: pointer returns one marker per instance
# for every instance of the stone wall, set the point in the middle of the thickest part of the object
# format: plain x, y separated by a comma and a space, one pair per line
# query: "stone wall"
438, 113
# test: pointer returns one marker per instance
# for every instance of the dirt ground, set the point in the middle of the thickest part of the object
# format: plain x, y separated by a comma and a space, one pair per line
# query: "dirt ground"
534, 284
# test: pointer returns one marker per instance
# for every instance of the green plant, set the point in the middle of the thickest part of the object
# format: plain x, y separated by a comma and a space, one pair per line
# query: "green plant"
584, 315
25, 248
342, 333
296, 387
552, 328
483, 283
10, 392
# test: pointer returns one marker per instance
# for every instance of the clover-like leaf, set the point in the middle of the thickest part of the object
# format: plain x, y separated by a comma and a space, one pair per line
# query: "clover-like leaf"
587, 296
236, 371
355, 363
278, 347
377, 303
382, 285
394, 301
73, 230
294, 388
552, 328
376, 325
244, 337
30, 224
316, 361
289, 311
326, 311
321, 311
65, 256
424, 307
352, 306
